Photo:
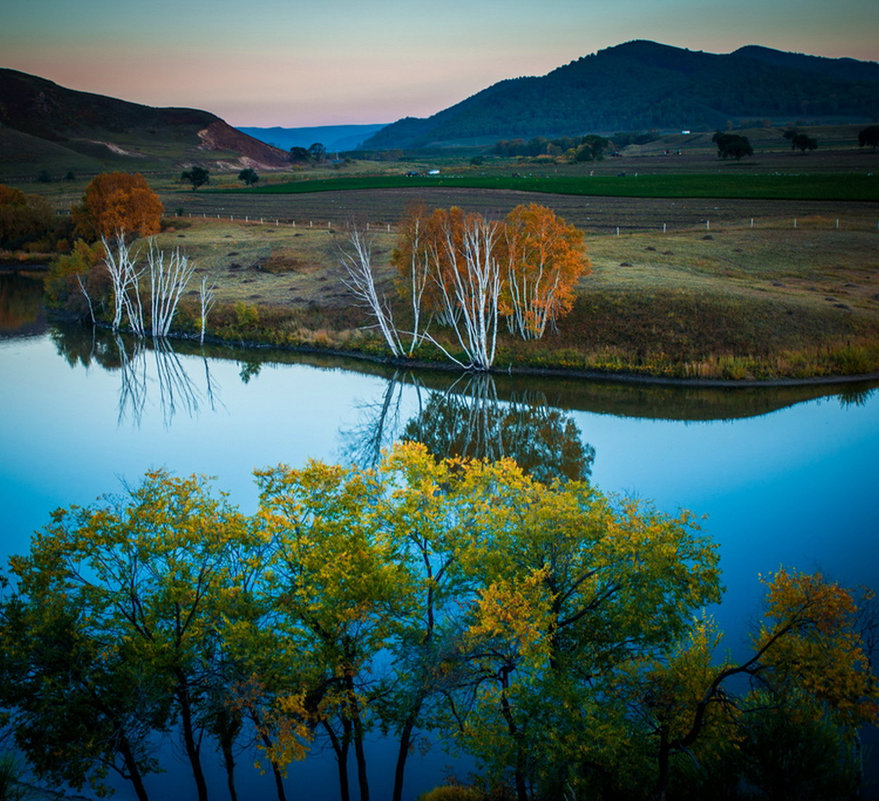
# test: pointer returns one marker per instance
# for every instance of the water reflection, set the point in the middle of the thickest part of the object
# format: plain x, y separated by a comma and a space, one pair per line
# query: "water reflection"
468, 419
21, 304
144, 367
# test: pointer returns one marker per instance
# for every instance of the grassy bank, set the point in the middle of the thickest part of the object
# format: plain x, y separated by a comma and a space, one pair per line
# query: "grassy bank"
736, 303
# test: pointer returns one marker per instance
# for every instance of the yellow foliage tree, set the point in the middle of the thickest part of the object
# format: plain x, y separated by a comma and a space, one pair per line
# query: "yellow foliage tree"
117, 202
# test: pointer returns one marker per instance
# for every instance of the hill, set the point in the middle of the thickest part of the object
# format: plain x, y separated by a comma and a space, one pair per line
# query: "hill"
643, 85
332, 137
44, 126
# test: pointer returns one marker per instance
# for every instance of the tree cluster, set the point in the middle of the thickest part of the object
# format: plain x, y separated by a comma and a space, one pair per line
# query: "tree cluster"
29, 222
732, 145
316, 153
467, 273
800, 141
552, 632
574, 148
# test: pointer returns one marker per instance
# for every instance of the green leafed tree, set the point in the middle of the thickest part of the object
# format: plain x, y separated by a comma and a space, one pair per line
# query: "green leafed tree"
249, 176
732, 146
869, 137
196, 176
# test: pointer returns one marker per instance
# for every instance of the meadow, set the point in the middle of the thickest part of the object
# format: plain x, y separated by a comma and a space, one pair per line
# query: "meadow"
701, 268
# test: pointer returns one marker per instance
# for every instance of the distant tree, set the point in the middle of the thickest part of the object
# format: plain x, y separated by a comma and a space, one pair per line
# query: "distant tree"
317, 152
249, 176
197, 176
299, 154
118, 202
591, 148
869, 137
803, 142
732, 145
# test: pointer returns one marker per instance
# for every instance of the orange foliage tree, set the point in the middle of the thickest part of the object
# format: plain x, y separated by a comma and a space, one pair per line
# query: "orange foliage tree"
117, 202
544, 260
466, 271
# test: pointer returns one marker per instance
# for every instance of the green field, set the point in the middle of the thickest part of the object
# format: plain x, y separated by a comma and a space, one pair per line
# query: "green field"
853, 186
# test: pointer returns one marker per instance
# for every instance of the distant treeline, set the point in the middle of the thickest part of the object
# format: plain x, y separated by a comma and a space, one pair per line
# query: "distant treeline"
541, 146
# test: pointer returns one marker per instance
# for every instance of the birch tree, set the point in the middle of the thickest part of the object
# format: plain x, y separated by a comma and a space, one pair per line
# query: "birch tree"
544, 260
361, 282
167, 282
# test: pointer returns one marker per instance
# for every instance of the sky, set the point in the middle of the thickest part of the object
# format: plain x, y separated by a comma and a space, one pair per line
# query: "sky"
332, 62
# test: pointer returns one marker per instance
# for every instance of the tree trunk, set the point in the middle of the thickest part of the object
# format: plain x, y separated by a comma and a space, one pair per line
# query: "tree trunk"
134, 774
341, 749
192, 748
276, 771
402, 753
359, 753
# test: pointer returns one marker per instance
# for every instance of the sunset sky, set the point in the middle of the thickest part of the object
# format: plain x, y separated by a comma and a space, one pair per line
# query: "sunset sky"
293, 63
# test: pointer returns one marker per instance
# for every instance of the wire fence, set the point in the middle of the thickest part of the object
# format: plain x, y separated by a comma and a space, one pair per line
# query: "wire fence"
807, 223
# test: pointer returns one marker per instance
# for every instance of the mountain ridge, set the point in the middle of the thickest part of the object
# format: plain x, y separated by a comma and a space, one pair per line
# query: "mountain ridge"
641, 85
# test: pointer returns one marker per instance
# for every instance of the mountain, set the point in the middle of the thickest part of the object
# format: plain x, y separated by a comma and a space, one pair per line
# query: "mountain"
643, 85
333, 137
45, 126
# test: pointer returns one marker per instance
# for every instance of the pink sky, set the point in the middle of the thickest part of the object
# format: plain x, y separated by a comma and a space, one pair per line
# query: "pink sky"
268, 62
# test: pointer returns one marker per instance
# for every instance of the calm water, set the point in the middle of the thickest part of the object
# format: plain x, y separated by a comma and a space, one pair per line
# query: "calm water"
785, 477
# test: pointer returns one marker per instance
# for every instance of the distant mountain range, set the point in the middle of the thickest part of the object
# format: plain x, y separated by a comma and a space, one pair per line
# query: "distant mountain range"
643, 85
335, 138
45, 126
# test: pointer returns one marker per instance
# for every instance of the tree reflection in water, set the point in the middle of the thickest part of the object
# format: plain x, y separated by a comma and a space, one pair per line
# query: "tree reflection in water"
132, 357
470, 421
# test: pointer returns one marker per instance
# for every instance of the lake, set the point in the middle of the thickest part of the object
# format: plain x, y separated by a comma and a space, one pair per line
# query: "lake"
786, 476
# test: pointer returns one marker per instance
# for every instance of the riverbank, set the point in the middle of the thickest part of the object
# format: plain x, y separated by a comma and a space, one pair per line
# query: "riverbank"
734, 300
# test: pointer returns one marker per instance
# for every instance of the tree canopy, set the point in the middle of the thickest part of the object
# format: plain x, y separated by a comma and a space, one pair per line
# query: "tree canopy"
197, 176
555, 633
249, 176
732, 145
118, 202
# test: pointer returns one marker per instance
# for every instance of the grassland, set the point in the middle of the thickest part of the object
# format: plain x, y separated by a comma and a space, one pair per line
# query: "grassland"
767, 269
737, 303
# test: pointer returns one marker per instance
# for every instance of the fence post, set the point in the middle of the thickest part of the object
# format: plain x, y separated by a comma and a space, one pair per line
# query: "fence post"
836, 224
752, 222
618, 230
707, 225
663, 228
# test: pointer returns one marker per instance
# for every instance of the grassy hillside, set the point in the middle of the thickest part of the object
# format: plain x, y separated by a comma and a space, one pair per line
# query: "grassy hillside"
642, 86
46, 127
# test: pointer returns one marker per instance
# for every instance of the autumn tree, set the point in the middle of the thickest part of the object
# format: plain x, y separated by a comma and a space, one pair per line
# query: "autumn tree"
460, 253
118, 202
464, 271
543, 257
144, 584
333, 581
